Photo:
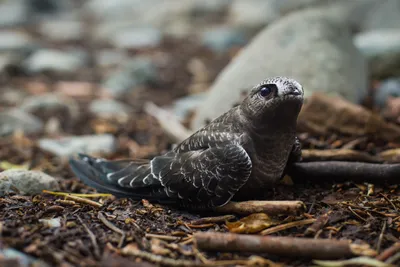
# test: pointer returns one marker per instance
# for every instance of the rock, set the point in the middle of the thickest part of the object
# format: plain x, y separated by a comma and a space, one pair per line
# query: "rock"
12, 97
26, 182
313, 46
9, 61
388, 88
110, 58
62, 30
12, 257
221, 39
15, 119
56, 61
51, 223
15, 41
138, 71
109, 108
382, 50
72, 145
136, 38
13, 13
51, 104
383, 15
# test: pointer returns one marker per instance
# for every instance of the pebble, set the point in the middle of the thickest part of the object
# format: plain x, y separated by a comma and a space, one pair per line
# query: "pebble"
252, 13
184, 105
319, 37
221, 39
136, 72
16, 41
56, 61
12, 96
23, 260
382, 50
107, 108
51, 223
72, 145
15, 119
26, 182
387, 88
13, 13
110, 58
51, 104
137, 38
62, 30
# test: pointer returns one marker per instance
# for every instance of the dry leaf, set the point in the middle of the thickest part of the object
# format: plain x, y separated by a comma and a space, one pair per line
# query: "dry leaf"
251, 224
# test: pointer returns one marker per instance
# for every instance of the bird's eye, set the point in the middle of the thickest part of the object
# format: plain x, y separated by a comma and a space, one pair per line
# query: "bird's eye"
265, 91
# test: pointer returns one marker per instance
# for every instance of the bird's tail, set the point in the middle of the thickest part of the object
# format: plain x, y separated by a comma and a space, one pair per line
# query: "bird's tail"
122, 178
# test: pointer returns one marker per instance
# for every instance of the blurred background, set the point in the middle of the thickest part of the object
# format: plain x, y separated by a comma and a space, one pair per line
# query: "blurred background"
83, 70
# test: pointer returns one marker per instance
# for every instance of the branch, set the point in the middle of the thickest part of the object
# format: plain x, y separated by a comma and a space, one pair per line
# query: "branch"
281, 246
342, 171
338, 155
268, 207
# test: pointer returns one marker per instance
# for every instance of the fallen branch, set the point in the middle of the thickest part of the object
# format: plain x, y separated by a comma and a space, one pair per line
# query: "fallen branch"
337, 154
342, 171
218, 219
389, 252
168, 122
268, 207
281, 246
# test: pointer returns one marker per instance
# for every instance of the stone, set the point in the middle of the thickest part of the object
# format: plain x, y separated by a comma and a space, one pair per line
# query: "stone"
16, 41
137, 38
387, 88
12, 97
56, 61
138, 71
51, 104
110, 58
17, 258
313, 46
15, 119
184, 105
13, 13
110, 108
26, 182
382, 15
72, 145
221, 39
62, 30
382, 50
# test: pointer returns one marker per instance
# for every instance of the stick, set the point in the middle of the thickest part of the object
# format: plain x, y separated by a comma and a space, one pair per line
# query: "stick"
282, 246
337, 154
218, 219
92, 237
85, 201
342, 171
168, 122
390, 251
110, 225
268, 207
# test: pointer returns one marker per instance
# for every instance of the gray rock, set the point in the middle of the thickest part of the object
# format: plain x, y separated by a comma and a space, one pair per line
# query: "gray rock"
13, 13
221, 39
51, 103
15, 41
72, 145
14, 119
110, 58
26, 182
24, 260
56, 61
10, 60
313, 46
387, 88
138, 71
383, 15
382, 50
107, 108
62, 30
136, 38
12, 96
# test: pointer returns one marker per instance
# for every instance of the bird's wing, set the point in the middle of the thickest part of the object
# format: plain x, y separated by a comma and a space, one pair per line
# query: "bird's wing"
203, 178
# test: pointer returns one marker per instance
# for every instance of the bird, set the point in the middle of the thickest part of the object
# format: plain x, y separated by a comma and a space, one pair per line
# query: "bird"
237, 156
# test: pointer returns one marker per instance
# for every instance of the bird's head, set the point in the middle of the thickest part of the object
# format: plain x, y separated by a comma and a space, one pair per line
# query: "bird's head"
274, 101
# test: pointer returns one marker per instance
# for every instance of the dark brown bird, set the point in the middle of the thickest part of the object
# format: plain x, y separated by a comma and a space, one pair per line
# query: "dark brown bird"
238, 155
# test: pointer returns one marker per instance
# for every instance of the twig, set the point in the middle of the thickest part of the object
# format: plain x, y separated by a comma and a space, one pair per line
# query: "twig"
112, 227
389, 252
268, 207
200, 226
286, 226
168, 122
390, 202
76, 195
337, 154
165, 237
217, 219
378, 246
92, 238
283, 246
85, 201
317, 225
342, 171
